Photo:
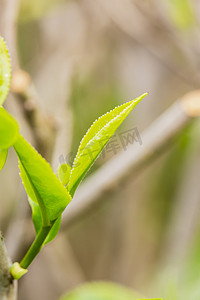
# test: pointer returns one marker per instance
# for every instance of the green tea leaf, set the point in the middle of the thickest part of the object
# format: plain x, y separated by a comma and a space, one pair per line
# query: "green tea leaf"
9, 129
5, 71
37, 221
3, 157
102, 291
63, 173
41, 184
96, 138
54, 231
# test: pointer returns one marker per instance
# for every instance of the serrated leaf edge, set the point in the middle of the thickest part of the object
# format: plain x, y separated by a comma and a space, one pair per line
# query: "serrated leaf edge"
102, 116
5, 48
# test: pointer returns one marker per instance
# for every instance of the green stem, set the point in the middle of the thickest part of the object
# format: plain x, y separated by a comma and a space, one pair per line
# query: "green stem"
35, 247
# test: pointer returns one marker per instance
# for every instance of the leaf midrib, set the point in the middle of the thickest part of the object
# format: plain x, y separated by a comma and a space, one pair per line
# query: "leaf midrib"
110, 122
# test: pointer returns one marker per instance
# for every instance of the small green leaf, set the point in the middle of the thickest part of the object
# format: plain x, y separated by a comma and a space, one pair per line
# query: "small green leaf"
41, 184
54, 231
37, 221
63, 173
3, 157
103, 291
5, 71
96, 138
9, 129
36, 215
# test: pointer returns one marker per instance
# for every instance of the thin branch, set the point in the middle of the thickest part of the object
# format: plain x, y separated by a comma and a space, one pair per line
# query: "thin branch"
28, 99
8, 287
22, 85
123, 15
156, 139
158, 18
8, 18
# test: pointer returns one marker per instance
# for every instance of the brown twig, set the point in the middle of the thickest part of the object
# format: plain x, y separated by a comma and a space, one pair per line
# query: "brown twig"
123, 15
43, 126
8, 18
22, 85
8, 287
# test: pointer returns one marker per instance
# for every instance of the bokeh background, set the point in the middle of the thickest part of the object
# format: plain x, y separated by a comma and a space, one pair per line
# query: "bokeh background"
84, 57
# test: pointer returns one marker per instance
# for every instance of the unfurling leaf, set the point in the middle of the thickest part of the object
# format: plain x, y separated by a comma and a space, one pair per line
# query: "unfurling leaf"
41, 184
95, 139
63, 173
3, 157
5, 71
37, 221
9, 129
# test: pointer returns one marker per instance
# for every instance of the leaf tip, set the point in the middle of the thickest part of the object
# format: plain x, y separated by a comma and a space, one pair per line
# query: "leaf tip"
138, 99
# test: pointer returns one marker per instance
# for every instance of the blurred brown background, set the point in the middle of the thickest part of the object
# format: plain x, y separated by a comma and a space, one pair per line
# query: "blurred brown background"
85, 57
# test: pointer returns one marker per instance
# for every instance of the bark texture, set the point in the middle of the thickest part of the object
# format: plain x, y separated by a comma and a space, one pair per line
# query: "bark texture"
8, 286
